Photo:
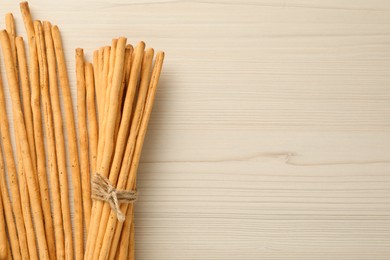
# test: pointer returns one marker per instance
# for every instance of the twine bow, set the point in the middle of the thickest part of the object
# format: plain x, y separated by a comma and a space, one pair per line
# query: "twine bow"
103, 190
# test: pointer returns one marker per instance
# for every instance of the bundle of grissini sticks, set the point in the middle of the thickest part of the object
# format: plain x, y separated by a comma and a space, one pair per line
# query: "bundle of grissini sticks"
115, 96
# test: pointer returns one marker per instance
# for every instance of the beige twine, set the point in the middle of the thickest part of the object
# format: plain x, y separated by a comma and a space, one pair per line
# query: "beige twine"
103, 190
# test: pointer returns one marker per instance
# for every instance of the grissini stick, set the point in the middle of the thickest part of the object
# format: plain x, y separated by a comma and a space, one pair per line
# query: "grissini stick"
96, 76
38, 131
104, 80
26, 95
3, 233
83, 136
132, 241
100, 63
145, 78
91, 115
93, 133
9, 218
103, 83
18, 200
124, 245
10, 27
25, 88
39, 143
130, 166
105, 104
28, 218
127, 67
109, 127
60, 141
72, 143
33, 186
51, 146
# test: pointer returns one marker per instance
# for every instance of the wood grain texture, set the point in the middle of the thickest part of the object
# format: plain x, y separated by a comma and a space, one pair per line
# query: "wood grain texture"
270, 137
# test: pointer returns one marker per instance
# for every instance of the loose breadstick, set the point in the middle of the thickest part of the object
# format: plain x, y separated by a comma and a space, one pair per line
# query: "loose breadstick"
33, 187
123, 133
25, 89
6, 202
26, 205
38, 132
83, 136
40, 145
17, 200
49, 126
26, 96
92, 120
72, 142
10, 27
60, 141
3, 233
129, 168
109, 125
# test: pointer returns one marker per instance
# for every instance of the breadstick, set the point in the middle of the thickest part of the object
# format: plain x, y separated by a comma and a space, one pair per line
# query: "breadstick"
39, 143
6, 202
17, 200
96, 87
48, 116
98, 83
25, 88
123, 133
103, 84
103, 64
72, 142
126, 72
83, 136
3, 234
33, 187
26, 96
38, 132
60, 142
107, 99
106, 96
109, 127
123, 250
10, 27
133, 152
132, 240
92, 120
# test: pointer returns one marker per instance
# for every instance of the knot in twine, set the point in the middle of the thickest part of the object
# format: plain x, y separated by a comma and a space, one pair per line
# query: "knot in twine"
103, 190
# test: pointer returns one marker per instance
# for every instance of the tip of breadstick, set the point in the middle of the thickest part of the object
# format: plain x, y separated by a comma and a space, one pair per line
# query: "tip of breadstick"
149, 51
37, 23
141, 44
46, 23
9, 15
129, 46
161, 54
19, 38
24, 4
80, 52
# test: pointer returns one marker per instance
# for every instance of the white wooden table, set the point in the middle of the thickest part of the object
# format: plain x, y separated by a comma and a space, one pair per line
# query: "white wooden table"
270, 138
